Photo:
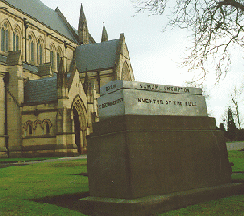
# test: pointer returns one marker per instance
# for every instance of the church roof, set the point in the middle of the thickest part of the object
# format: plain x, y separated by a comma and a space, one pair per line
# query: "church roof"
36, 9
91, 57
41, 91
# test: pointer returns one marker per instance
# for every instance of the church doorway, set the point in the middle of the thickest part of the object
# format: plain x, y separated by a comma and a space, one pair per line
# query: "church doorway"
80, 125
77, 130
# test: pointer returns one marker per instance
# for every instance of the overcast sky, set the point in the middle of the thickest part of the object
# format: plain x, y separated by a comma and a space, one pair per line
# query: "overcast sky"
155, 55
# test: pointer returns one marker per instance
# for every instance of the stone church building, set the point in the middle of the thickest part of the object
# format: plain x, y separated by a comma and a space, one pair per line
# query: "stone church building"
50, 79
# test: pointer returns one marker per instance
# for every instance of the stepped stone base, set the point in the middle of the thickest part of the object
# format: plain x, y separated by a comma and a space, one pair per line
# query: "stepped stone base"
151, 205
134, 157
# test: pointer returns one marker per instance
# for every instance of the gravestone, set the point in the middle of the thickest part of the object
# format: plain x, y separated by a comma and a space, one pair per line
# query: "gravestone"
151, 141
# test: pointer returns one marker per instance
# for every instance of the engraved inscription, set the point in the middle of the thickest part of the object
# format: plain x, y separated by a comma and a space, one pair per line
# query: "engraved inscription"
166, 102
172, 89
145, 100
176, 89
149, 86
111, 103
110, 87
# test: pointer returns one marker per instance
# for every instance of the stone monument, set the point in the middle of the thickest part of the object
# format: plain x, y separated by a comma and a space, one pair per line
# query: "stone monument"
152, 141
137, 98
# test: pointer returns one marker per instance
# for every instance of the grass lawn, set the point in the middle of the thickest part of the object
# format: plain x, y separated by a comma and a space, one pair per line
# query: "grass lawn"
19, 186
227, 206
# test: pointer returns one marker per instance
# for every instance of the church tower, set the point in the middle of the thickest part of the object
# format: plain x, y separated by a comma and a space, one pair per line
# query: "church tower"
82, 28
104, 35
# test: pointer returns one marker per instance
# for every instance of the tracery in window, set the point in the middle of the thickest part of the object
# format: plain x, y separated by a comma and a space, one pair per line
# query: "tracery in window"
31, 49
52, 59
37, 128
15, 41
5, 37
28, 127
39, 52
47, 126
16, 38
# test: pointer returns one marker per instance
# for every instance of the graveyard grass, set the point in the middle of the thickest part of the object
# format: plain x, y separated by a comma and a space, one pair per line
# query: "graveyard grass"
20, 185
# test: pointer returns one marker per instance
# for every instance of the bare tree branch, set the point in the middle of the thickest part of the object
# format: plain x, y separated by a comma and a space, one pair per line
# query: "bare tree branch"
216, 27
233, 3
235, 99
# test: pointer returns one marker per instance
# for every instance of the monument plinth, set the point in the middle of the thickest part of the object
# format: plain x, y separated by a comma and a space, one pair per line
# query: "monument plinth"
137, 98
152, 141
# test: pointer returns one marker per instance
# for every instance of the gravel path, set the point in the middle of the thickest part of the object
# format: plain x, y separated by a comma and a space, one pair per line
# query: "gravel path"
24, 163
235, 145
59, 159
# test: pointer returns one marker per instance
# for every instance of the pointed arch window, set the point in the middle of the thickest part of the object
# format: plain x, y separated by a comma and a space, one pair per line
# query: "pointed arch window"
58, 60
52, 58
31, 49
47, 129
28, 127
4, 37
39, 52
52, 49
59, 55
47, 126
15, 41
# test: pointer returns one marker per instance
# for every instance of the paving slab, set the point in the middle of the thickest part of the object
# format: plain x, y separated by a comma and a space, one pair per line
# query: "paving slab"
235, 145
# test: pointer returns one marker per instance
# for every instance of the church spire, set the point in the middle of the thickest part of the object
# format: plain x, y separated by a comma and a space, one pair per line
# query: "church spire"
82, 28
104, 35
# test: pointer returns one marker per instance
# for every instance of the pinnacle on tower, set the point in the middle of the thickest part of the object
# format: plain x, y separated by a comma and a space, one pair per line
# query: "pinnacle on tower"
61, 76
82, 28
82, 17
104, 35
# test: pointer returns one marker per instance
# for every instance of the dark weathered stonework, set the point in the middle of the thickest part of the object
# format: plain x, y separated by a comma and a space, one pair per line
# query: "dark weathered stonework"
131, 156
152, 205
